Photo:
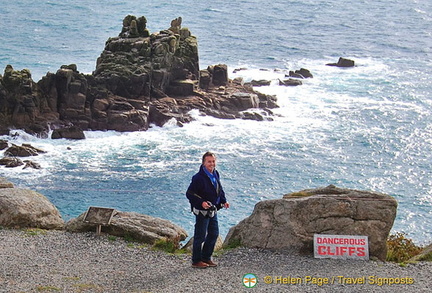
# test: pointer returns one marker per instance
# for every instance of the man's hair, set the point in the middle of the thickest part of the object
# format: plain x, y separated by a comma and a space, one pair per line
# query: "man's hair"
208, 154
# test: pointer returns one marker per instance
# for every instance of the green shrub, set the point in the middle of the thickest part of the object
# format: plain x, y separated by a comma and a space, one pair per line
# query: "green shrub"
165, 245
168, 245
400, 248
234, 243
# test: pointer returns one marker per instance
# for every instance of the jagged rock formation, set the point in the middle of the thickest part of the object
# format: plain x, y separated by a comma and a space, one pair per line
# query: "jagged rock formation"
140, 79
291, 222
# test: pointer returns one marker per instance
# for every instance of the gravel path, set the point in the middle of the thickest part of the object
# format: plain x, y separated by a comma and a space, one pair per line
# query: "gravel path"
57, 261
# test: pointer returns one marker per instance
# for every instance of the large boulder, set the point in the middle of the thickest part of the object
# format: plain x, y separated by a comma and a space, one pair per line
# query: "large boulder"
4, 183
291, 222
137, 226
22, 208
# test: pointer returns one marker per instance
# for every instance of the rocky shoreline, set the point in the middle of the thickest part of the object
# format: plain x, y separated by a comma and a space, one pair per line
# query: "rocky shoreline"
140, 79
59, 261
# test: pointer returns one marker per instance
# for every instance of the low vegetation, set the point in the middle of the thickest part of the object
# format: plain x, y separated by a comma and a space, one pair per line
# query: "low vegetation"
47, 289
168, 245
401, 249
34, 231
234, 243
298, 194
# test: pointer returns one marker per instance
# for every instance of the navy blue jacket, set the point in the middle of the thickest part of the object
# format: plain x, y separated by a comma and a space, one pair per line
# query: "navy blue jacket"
202, 189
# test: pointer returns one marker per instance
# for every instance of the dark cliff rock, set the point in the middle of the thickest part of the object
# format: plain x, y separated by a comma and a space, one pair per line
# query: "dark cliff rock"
141, 78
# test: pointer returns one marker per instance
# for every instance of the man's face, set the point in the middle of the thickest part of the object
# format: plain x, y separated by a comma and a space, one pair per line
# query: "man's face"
210, 163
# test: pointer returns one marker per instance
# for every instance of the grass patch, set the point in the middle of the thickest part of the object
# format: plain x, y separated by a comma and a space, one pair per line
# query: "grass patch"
298, 194
47, 289
71, 278
85, 287
169, 246
400, 249
426, 257
166, 245
34, 231
112, 238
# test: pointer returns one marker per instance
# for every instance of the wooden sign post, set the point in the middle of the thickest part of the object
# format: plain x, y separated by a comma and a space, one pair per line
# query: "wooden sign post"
99, 216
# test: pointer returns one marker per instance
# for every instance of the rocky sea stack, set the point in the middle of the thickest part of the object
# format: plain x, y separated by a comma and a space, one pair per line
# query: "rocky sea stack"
141, 78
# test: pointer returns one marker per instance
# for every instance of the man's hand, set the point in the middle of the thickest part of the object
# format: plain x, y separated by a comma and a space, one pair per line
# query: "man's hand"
206, 204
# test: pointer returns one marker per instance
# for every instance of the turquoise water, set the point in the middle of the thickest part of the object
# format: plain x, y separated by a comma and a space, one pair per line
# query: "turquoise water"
367, 127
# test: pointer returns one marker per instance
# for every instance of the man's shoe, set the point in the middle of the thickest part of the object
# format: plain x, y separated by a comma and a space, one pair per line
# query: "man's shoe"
210, 263
200, 265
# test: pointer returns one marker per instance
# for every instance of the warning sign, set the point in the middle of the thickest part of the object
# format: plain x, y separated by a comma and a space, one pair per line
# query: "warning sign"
341, 246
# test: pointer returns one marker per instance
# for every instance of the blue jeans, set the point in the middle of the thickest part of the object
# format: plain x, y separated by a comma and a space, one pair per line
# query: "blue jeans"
207, 232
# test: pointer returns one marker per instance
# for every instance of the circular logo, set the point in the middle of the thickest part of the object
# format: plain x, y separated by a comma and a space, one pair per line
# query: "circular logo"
250, 280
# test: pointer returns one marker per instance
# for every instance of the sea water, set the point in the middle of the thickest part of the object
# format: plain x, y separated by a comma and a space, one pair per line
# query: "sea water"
367, 127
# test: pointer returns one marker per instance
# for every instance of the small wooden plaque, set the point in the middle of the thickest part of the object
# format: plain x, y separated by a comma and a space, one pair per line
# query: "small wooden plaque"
99, 216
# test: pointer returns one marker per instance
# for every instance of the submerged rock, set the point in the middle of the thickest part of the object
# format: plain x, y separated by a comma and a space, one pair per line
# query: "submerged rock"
301, 73
11, 162
25, 150
342, 62
290, 82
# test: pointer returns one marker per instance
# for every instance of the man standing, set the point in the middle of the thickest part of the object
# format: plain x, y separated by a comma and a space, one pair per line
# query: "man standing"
206, 196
